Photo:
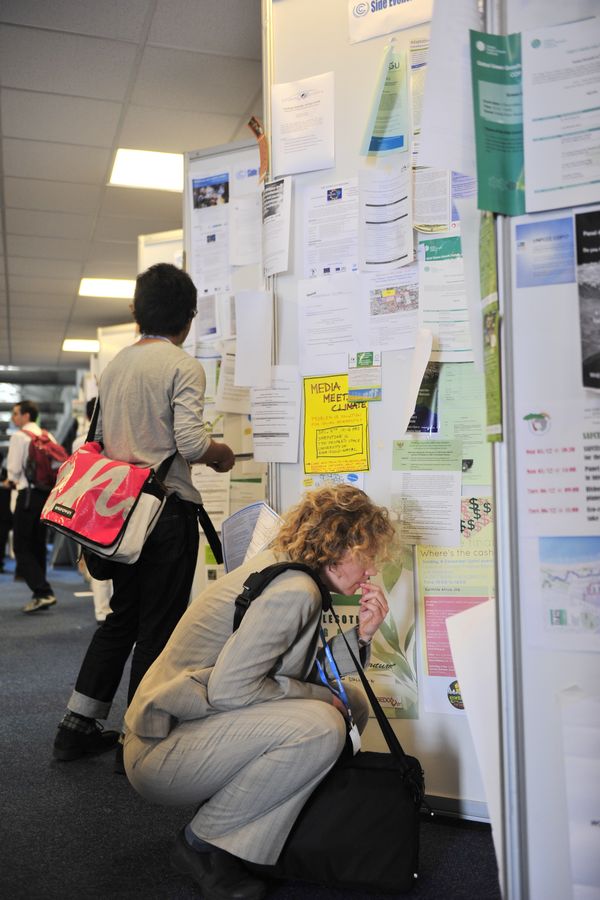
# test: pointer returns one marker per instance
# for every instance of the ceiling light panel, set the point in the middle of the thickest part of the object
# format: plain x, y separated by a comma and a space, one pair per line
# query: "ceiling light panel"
148, 169
121, 288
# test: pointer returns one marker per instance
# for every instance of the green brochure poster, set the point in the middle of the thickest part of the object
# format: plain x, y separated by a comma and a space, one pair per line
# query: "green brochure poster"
498, 109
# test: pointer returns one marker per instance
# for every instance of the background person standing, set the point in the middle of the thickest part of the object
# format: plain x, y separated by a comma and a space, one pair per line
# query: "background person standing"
29, 535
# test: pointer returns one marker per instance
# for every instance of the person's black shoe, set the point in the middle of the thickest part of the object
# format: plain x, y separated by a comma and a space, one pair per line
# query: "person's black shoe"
70, 744
219, 875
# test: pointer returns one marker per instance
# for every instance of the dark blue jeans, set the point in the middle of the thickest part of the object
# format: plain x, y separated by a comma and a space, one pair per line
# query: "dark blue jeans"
149, 598
29, 540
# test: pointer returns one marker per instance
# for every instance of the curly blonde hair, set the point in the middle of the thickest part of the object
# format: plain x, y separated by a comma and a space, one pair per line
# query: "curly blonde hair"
332, 520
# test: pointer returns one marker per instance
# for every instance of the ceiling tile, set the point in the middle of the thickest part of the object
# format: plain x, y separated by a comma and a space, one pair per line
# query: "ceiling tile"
64, 63
207, 27
46, 247
110, 18
33, 193
115, 228
100, 312
47, 224
54, 305
46, 329
107, 256
64, 162
67, 120
175, 131
128, 269
177, 79
43, 285
23, 354
49, 268
138, 203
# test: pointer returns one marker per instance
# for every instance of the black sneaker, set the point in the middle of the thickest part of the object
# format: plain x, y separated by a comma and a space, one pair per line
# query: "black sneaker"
70, 744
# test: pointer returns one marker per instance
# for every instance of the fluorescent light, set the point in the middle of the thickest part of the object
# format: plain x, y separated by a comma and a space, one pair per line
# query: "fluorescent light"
147, 169
122, 288
75, 346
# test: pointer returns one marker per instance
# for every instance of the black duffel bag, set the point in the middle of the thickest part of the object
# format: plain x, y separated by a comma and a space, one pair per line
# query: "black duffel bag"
359, 829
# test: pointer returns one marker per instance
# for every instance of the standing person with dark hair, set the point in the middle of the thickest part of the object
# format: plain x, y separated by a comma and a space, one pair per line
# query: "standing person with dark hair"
29, 535
151, 398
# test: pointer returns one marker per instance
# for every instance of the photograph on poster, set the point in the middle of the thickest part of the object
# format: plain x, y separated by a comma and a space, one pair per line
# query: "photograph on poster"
587, 226
545, 252
392, 671
210, 191
388, 307
570, 586
425, 419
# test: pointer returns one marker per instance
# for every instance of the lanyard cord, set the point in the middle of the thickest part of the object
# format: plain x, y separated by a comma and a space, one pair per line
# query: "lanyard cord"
340, 691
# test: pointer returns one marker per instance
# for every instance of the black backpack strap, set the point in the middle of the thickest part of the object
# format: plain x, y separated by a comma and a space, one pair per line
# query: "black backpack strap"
258, 581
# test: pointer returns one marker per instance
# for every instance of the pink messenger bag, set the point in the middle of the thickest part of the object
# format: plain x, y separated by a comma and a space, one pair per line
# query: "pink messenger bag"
108, 507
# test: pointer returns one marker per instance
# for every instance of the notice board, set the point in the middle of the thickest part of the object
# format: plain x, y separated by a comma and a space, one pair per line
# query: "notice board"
311, 38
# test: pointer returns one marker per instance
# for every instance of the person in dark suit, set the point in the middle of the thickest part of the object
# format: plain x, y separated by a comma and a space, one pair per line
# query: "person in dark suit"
244, 723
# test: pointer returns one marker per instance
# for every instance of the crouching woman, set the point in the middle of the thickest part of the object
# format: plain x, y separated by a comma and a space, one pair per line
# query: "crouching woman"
243, 723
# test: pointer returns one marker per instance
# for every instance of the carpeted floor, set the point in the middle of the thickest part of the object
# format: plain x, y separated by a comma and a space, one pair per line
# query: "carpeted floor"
77, 831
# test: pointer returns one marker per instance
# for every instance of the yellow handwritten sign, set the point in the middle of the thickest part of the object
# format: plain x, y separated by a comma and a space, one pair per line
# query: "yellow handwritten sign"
336, 429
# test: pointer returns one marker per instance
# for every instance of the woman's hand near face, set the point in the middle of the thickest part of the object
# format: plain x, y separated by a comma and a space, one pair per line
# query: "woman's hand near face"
373, 610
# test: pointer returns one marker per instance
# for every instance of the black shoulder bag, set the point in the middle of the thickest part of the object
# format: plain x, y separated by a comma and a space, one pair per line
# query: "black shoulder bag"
360, 827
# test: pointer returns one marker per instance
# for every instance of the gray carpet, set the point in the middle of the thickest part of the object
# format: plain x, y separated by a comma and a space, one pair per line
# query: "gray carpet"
77, 831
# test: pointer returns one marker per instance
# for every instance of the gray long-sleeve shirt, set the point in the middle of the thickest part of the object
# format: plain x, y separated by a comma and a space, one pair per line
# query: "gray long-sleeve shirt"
151, 404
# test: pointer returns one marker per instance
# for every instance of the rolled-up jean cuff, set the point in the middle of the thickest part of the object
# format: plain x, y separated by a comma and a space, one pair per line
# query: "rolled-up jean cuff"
87, 706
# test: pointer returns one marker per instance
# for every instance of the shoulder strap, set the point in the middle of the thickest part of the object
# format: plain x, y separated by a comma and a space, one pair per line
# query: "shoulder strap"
161, 472
93, 421
395, 747
258, 581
